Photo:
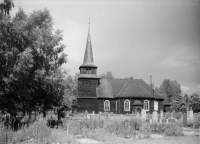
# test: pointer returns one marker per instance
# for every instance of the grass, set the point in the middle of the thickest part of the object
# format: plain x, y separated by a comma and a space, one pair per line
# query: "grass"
106, 130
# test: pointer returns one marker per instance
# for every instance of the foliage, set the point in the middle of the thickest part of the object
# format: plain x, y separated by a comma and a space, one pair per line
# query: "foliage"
194, 102
31, 53
171, 90
174, 129
108, 75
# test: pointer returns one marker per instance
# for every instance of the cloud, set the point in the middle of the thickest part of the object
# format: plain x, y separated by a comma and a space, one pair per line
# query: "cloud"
185, 88
198, 86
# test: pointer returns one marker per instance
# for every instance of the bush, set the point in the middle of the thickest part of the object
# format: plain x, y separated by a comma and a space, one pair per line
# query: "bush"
190, 123
38, 131
174, 129
6, 134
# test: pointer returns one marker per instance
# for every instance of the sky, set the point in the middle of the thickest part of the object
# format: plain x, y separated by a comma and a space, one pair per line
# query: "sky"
130, 38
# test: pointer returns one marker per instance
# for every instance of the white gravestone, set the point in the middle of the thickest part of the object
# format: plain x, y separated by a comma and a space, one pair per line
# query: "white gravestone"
155, 117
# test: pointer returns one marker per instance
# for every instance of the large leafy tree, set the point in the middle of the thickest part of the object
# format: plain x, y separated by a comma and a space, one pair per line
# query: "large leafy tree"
31, 53
171, 90
194, 102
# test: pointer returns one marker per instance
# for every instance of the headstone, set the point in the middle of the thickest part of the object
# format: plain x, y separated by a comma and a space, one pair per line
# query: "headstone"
99, 115
196, 123
138, 115
160, 120
185, 120
151, 121
191, 115
88, 116
73, 128
167, 121
173, 114
155, 117
161, 114
144, 115
93, 112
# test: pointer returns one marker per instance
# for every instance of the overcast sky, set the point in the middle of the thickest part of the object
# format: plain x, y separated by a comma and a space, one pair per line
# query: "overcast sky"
131, 38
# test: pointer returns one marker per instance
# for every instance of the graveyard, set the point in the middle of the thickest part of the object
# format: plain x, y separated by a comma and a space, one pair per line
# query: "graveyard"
108, 128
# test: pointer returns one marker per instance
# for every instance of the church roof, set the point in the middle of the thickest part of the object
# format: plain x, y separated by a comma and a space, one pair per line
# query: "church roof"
88, 57
137, 88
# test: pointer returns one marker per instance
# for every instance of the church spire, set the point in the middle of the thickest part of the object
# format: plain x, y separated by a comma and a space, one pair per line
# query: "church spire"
88, 57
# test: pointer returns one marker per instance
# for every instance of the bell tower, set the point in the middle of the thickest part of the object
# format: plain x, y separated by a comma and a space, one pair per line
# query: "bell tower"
88, 79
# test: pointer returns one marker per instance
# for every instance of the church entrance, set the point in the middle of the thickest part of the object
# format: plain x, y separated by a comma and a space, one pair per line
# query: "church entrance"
138, 110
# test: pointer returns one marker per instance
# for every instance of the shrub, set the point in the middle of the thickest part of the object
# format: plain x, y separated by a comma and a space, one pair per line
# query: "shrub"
190, 123
38, 131
6, 134
174, 129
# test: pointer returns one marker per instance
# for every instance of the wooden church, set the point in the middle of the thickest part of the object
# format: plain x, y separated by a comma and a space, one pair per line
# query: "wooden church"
119, 96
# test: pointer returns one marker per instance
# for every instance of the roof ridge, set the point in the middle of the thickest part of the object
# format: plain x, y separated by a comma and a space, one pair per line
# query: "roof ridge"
125, 85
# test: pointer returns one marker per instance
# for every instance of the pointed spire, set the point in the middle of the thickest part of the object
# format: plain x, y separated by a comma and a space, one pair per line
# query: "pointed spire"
88, 58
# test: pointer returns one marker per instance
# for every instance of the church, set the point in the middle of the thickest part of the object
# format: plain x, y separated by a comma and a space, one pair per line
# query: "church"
120, 96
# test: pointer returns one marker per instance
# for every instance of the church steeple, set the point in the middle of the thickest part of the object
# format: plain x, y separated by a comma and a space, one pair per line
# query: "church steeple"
88, 69
88, 57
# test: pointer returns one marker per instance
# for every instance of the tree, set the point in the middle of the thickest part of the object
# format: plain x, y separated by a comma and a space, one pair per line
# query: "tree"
171, 90
31, 53
194, 102
108, 75
186, 98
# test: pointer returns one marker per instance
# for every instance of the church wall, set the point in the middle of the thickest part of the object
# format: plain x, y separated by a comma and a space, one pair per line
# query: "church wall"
87, 87
88, 104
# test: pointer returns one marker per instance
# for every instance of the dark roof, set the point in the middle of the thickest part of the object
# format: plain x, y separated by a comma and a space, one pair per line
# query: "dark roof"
111, 88
88, 57
137, 103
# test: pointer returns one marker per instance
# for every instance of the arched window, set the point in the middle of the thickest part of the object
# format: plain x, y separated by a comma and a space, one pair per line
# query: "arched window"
106, 105
127, 105
155, 105
146, 105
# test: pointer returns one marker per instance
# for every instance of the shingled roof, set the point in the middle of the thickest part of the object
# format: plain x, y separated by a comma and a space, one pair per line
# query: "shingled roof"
88, 57
137, 88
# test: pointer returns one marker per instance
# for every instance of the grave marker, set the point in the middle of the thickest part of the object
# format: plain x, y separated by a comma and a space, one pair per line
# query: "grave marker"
73, 128
185, 120
155, 117
161, 114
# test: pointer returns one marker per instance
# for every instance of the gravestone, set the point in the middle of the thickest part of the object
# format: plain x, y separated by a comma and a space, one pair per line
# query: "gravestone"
87, 116
144, 115
73, 128
190, 114
196, 123
167, 121
160, 120
126, 127
99, 115
138, 116
161, 114
173, 114
151, 121
185, 120
155, 117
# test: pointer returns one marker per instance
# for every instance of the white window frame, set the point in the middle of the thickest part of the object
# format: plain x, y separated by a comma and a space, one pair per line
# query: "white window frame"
127, 101
146, 102
155, 101
106, 101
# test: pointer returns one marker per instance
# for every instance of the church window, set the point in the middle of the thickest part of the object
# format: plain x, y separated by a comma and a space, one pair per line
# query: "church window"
155, 105
106, 105
146, 105
127, 105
